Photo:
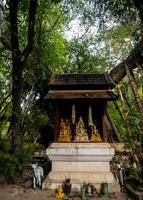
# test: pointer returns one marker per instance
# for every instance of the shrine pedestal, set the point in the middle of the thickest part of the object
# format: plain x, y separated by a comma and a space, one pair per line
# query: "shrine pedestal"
82, 163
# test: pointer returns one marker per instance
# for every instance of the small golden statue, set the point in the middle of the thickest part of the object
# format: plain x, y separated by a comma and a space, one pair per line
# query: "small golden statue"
59, 193
81, 132
95, 136
65, 131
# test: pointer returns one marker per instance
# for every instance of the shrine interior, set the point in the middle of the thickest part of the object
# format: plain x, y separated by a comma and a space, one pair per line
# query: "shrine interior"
81, 110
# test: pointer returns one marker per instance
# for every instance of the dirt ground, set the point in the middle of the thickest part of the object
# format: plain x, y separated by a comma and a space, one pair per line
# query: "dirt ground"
14, 192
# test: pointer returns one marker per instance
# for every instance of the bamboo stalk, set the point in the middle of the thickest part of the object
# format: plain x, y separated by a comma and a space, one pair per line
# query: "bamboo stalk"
125, 98
123, 119
122, 95
118, 109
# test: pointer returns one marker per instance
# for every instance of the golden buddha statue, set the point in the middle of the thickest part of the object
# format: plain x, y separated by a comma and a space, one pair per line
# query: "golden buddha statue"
81, 132
59, 193
95, 136
65, 131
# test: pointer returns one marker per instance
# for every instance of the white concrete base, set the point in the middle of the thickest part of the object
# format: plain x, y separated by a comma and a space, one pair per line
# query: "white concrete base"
81, 162
80, 166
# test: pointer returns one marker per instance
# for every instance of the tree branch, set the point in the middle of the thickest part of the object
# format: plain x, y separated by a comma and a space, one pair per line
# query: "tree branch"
55, 23
4, 100
31, 23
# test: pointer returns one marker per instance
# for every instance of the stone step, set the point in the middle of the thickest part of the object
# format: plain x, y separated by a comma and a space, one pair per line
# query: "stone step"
80, 177
54, 179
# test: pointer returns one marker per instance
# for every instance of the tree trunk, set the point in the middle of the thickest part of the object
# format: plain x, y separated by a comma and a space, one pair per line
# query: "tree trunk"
16, 76
16, 106
18, 61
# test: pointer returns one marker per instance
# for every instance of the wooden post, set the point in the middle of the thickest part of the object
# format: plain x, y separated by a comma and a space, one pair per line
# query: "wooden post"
103, 124
57, 122
108, 130
134, 89
113, 126
105, 138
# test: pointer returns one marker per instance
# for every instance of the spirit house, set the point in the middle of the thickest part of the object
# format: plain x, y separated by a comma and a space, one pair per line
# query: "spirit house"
80, 151
80, 102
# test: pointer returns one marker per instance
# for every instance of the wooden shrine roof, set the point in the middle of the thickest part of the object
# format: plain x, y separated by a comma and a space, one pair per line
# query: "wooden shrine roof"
81, 86
81, 94
80, 81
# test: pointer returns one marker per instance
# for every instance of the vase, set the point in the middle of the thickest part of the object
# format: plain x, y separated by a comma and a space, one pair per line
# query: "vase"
67, 186
104, 188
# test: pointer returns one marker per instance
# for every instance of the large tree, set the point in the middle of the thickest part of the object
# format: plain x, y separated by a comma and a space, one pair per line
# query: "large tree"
31, 42
19, 57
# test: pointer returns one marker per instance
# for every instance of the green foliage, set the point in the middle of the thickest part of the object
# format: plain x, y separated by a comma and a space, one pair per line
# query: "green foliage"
135, 122
134, 173
84, 58
104, 11
119, 41
117, 120
83, 193
33, 121
57, 51
13, 165
31, 148
9, 166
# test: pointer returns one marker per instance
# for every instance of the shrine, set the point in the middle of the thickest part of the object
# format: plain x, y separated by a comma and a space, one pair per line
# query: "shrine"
80, 151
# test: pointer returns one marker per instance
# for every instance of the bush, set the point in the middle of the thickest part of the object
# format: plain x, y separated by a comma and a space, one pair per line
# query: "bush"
12, 165
9, 166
